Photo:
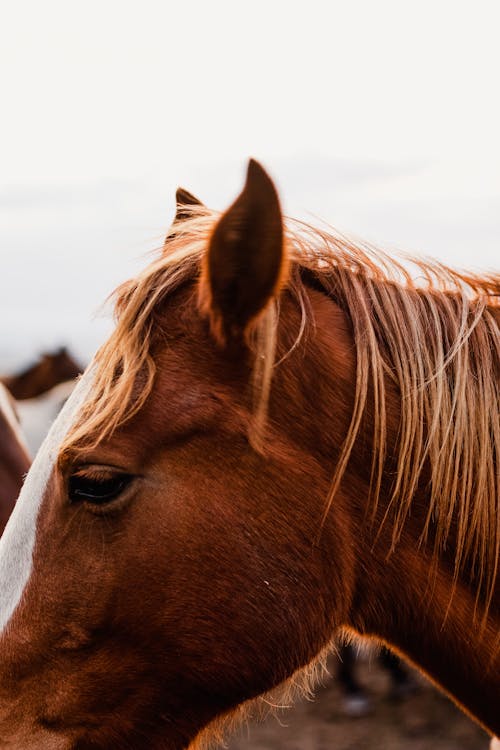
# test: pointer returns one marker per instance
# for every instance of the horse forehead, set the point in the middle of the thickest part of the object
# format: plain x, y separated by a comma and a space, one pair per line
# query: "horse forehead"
18, 540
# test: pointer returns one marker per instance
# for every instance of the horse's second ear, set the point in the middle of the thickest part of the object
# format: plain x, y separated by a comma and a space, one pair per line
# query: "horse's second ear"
245, 264
184, 200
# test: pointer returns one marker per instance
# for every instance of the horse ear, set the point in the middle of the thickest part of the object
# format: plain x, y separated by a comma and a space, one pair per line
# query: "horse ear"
245, 265
184, 199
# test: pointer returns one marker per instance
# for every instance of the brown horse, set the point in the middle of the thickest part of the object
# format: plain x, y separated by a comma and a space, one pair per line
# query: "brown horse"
285, 437
14, 457
50, 370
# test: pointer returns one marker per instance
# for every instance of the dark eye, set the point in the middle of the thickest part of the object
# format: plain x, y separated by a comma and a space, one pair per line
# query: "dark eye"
97, 488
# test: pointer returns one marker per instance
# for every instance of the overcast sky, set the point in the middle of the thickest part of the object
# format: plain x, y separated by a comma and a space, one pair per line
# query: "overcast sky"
380, 117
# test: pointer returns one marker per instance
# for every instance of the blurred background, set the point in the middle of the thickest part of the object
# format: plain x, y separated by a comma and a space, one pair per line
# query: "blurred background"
380, 118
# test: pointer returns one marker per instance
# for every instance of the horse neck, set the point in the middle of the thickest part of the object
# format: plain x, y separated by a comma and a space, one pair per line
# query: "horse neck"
409, 600
403, 593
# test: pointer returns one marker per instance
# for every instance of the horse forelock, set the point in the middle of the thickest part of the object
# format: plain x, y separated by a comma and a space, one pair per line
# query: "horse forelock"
437, 339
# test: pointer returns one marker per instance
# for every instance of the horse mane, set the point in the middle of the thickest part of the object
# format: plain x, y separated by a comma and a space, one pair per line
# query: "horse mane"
435, 334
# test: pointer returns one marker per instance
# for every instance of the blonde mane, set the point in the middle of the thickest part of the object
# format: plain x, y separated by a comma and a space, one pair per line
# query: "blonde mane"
437, 339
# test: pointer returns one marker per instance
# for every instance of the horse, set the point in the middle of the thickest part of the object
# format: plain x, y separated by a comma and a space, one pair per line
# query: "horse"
14, 457
51, 369
37, 414
287, 436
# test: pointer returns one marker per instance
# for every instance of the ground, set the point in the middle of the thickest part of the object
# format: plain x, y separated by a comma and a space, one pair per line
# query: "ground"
424, 720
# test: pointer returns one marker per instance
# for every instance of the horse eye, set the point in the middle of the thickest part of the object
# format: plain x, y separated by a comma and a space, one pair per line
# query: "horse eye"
97, 490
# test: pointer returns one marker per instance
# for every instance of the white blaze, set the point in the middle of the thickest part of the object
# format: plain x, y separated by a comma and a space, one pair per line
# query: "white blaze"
18, 540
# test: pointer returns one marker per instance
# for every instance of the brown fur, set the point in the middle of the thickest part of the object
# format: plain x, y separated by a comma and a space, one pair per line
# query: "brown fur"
14, 464
223, 571
50, 370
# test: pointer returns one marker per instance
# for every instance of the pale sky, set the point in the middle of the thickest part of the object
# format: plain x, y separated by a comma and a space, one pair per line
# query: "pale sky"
380, 117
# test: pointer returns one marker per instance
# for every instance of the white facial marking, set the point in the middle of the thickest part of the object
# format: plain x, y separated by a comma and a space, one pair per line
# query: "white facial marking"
7, 410
18, 540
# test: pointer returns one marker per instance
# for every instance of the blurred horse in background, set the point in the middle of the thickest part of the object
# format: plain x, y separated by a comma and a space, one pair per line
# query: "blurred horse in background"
285, 438
41, 391
37, 414
14, 456
51, 369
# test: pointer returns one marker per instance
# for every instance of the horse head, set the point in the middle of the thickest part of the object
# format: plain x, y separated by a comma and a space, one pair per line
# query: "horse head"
174, 554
